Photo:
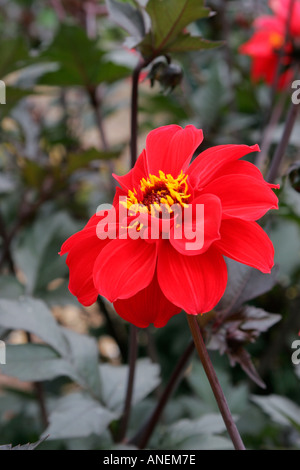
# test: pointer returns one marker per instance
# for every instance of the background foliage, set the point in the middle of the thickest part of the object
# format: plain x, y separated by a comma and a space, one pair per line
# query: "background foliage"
63, 130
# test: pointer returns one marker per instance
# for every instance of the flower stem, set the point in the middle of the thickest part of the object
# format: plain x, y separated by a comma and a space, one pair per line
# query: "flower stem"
134, 108
40, 394
143, 435
214, 383
280, 149
134, 112
133, 346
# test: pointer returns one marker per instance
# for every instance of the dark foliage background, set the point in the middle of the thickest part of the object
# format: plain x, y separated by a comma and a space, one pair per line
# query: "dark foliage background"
65, 127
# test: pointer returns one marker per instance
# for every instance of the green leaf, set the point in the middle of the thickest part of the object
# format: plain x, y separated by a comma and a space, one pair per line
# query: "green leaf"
32, 315
244, 284
76, 161
11, 286
128, 17
28, 446
83, 353
168, 20
77, 355
37, 249
237, 396
80, 62
280, 409
114, 380
77, 415
36, 362
13, 55
13, 96
186, 42
196, 434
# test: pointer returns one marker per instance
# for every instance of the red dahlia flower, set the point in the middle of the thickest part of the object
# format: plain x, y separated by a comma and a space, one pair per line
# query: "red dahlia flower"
151, 279
269, 38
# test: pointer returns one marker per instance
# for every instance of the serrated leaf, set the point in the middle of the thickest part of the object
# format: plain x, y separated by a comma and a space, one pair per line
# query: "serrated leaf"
258, 319
36, 251
244, 284
77, 415
186, 42
114, 380
32, 315
28, 446
80, 62
239, 329
84, 353
196, 434
281, 410
168, 20
242, 357
36, 362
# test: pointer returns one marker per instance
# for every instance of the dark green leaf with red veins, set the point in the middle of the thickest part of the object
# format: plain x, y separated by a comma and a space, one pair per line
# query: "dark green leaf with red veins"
169, 18
239, 329
80, 61
244, 284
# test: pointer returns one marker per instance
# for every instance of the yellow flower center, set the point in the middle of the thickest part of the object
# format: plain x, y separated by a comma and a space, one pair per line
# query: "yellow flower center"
159, 192
276, 40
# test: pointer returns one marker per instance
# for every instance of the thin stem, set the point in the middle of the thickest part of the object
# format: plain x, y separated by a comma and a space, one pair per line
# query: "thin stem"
40, 394
214, 383
6, 245
143, 435
267, 136
134, 110
281, 148
111, 327
95, 101
130, 383
96, 104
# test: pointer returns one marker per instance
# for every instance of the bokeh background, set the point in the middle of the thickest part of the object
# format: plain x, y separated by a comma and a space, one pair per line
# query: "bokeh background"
64, 129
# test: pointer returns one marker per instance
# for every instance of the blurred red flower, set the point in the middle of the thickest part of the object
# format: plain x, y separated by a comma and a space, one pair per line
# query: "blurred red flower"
268, 44
150, 280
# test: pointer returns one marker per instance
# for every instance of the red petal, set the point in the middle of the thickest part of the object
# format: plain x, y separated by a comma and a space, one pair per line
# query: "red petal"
206, 229
84, 248
194, 283
147, 306
243, 196
247, 243
125, 268
209, 162
240, 167
170, 148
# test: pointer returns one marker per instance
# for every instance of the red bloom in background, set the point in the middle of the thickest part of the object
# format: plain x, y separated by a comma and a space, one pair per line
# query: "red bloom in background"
150, 280
269, 38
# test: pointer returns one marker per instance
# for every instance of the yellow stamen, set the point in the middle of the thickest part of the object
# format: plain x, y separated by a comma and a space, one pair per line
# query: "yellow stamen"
156, 190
